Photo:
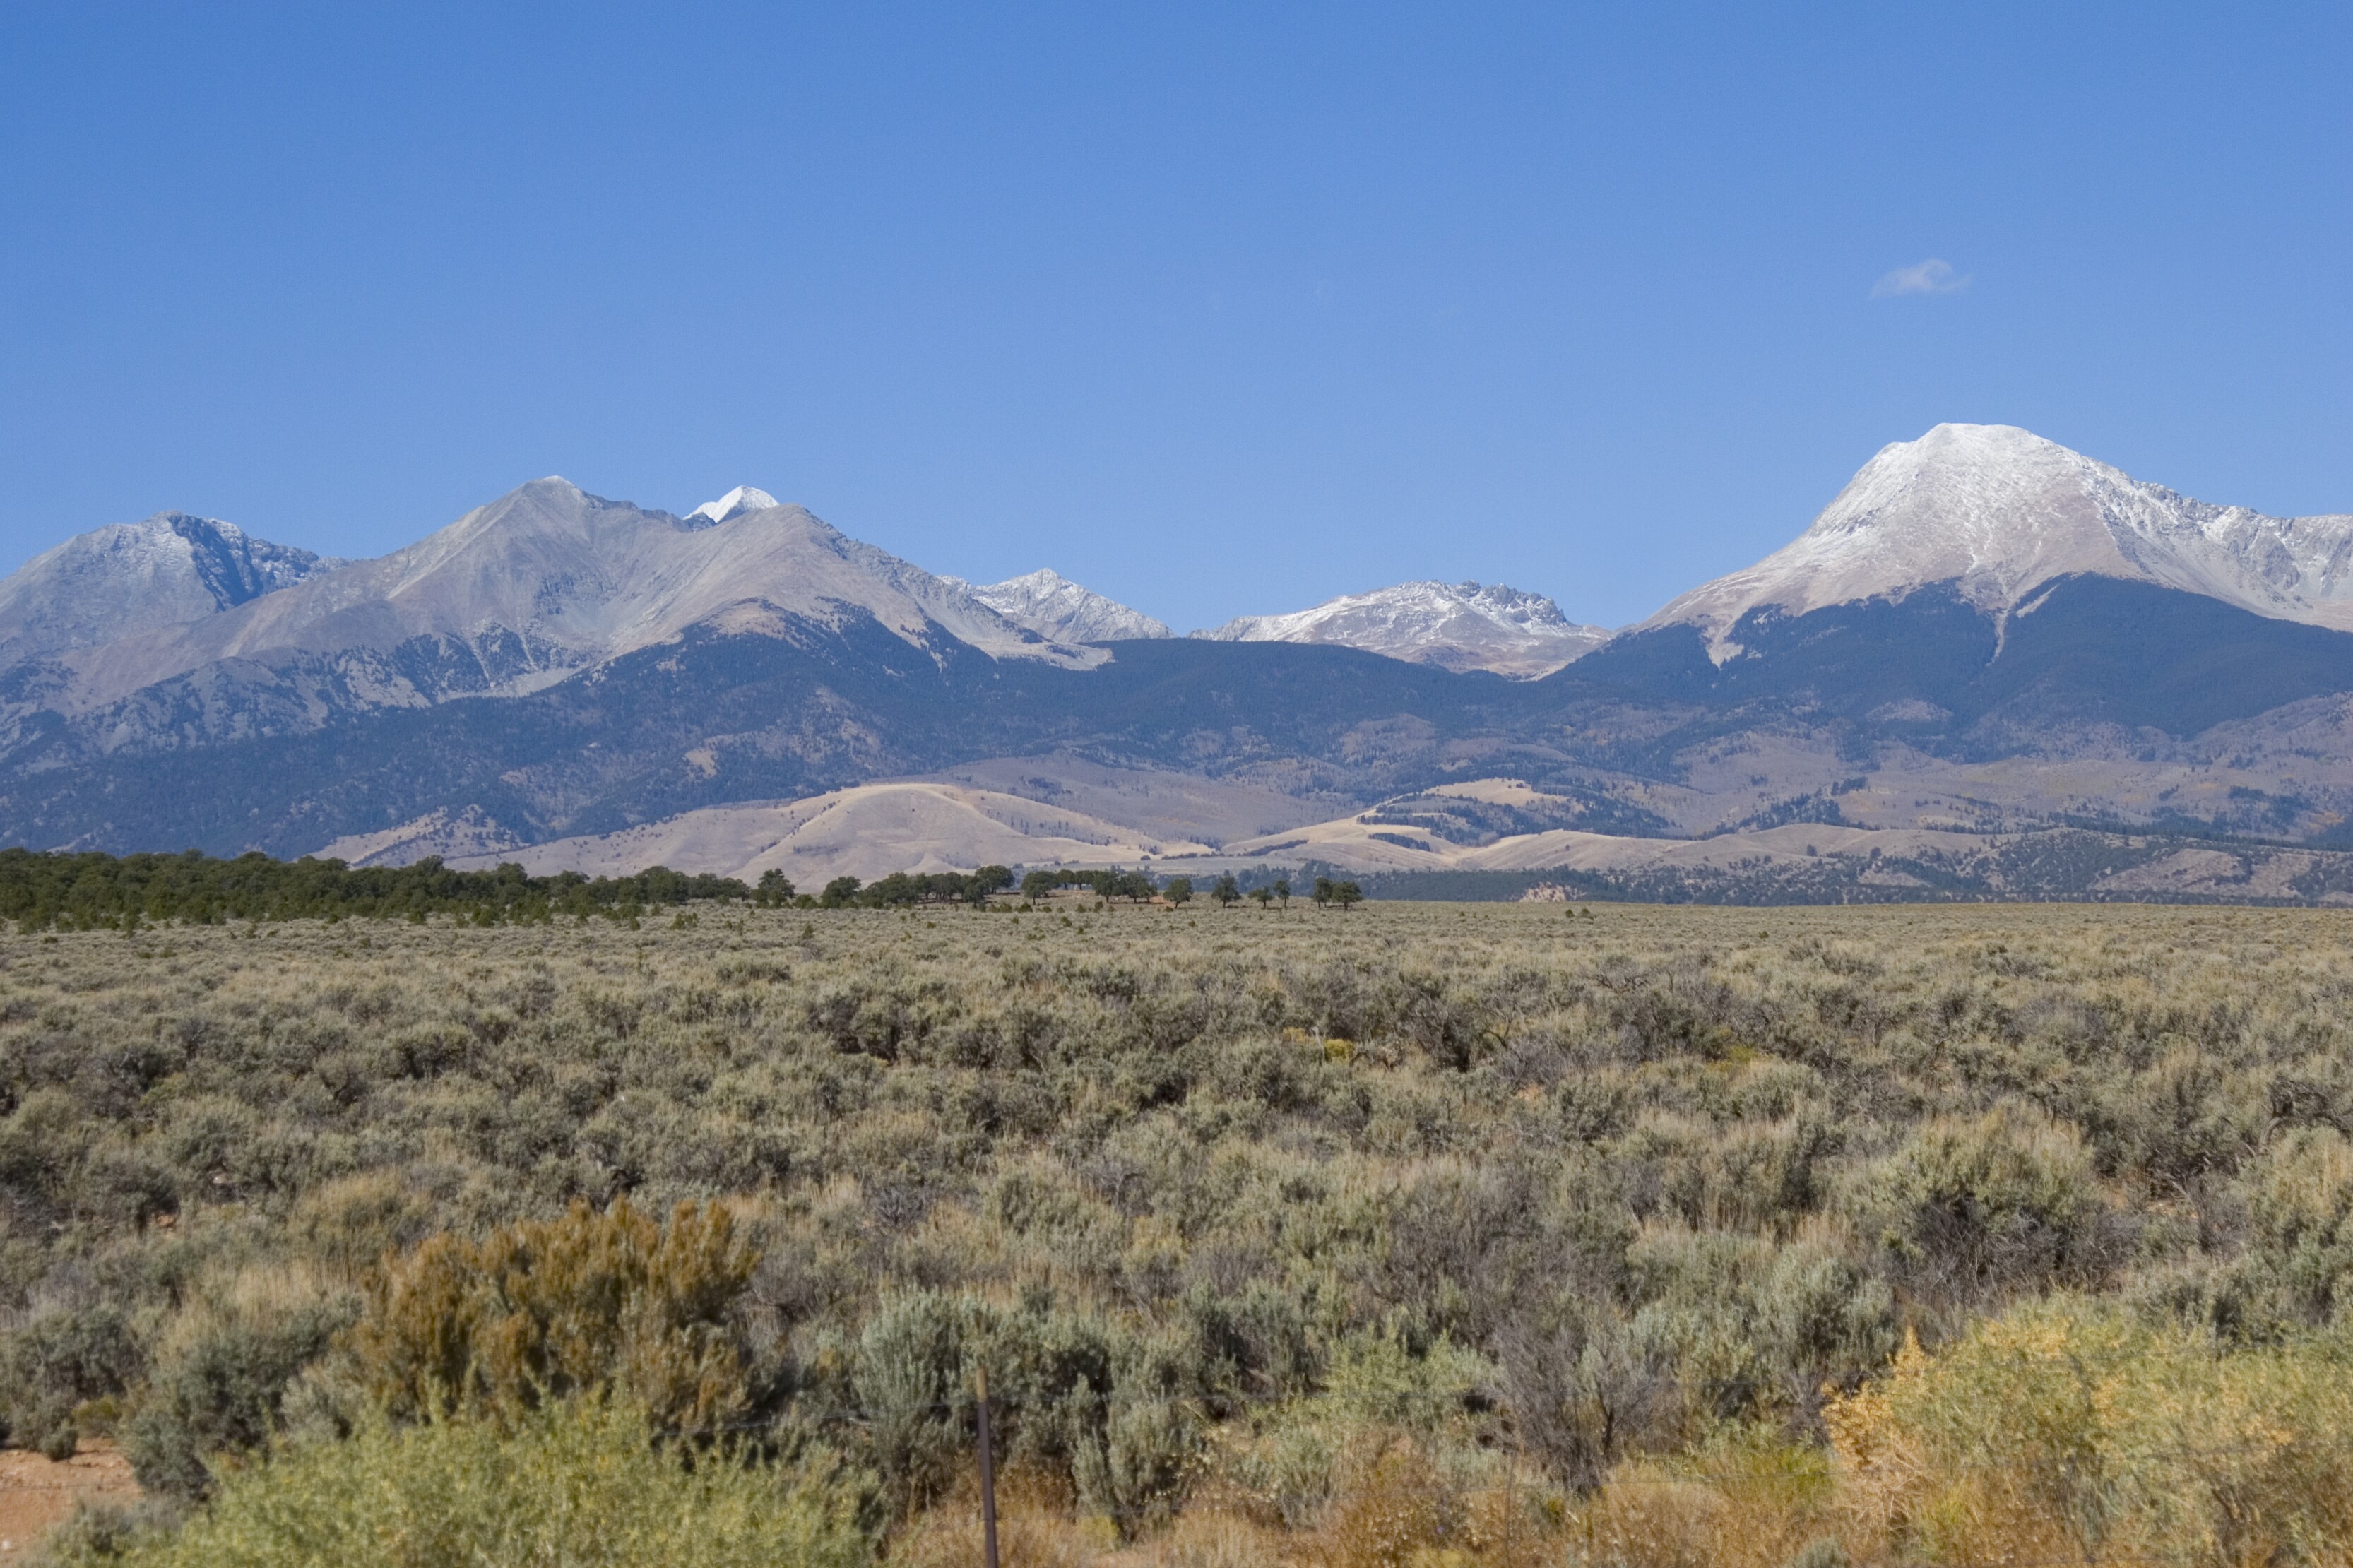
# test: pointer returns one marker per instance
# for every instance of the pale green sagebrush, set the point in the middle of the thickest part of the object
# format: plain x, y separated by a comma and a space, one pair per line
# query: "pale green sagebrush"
581, 1483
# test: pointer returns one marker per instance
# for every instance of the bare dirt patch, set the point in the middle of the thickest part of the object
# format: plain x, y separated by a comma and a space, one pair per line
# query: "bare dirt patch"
36, 1493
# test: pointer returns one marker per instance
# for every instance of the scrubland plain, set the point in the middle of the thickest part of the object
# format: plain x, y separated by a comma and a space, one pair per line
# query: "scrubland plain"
1415, 1235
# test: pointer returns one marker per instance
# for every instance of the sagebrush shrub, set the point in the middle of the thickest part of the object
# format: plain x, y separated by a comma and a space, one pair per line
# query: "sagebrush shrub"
582, 1482
1167, 1175
2300, 1201
911, 1389
223, 1391
1985, 1208
60, 1360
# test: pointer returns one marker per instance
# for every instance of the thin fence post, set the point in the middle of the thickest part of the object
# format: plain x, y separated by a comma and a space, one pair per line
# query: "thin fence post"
987, 1473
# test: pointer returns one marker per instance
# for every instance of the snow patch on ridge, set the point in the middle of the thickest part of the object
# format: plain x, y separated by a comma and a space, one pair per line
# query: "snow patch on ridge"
1458, 627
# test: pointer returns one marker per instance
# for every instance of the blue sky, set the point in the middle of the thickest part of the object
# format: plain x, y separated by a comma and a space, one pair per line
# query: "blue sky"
1218, 309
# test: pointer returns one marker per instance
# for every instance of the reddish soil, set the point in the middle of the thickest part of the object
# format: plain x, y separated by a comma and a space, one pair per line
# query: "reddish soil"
36, 1493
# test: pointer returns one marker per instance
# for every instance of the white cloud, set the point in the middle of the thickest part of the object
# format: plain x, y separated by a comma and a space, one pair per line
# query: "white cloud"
1933, 276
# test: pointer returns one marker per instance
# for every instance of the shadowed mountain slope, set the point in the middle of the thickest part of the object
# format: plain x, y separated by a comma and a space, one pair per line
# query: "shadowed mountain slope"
2084, 650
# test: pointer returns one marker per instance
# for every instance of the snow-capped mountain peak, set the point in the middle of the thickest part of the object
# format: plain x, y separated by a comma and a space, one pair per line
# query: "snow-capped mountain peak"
1055, 607
1997, 512
742, 498
1463, 625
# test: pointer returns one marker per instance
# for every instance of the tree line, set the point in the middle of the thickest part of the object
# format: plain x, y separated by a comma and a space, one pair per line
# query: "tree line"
95, 892
1226, 891
903, 887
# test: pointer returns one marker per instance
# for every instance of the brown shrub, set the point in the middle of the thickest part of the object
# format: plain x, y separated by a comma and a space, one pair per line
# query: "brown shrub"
1037, 1527
1214, 1538
1748, 1501
1407, 1510
544, 1309
2067, 1430
1403, 1512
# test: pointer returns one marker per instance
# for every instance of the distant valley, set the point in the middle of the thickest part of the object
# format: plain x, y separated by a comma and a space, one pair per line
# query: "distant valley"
1985, 638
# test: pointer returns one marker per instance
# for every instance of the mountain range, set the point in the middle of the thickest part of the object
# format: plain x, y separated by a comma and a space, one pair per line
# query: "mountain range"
1984, 635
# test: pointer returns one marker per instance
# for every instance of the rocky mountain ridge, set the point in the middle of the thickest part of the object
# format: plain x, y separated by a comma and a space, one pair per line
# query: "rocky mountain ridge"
545, 582
1457, 626
125, 577
1984, 633
1053, 607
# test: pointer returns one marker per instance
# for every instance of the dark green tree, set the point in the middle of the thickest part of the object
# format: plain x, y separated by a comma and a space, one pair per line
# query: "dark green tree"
893, 891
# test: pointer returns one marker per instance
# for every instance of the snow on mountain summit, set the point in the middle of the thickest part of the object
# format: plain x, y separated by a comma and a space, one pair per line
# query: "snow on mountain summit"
1997, 511
1458, 626
742, 498
545, 581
